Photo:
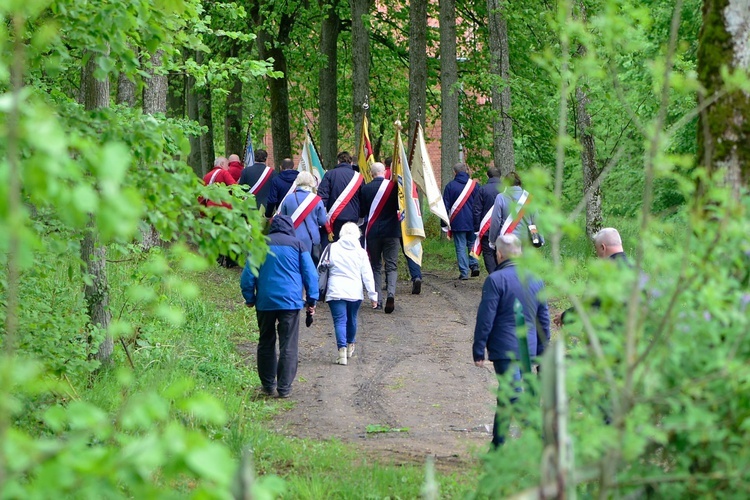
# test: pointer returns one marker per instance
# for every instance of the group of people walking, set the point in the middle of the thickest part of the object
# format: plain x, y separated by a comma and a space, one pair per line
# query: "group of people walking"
484, 220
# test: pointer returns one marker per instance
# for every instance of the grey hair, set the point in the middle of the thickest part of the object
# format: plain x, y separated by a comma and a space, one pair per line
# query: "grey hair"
219, 161
377, 169
609, 236
305, 179
508, 245
349, 231
459, 167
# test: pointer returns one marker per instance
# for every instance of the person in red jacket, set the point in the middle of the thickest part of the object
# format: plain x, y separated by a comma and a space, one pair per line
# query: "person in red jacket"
235, 167
218, 174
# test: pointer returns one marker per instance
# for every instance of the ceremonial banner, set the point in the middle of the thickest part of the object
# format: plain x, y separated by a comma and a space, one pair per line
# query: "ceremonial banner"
412, 228
424, 176
309, 159
249, 152
365, 157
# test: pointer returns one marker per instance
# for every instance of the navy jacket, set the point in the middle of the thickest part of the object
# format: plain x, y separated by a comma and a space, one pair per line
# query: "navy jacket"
387, 224
495, 329
486, 200
250, 176
333, 184
280, 185
464, 220
287, 272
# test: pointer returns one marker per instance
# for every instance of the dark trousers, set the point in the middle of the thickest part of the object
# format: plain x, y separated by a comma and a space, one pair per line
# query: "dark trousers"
502, 423
379, 250
278, 372
488, 255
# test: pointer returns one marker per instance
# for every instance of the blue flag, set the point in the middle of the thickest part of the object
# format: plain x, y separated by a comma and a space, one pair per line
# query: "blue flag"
249, 153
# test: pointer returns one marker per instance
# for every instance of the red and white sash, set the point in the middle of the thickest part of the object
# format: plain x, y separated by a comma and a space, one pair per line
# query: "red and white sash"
292, 189
484, 226
304, 209
211, 180
343, 200
264, 177
513, 219
381, 198
463, 197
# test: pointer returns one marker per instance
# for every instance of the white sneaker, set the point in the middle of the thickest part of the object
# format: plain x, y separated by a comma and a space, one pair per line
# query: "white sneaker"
341, 360
350, 349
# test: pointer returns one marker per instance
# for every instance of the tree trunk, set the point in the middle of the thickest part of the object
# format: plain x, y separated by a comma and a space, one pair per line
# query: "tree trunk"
176, 89
502, 125
125, 91
417, 64
328, 82
360, 64
588, 160
194, 158
93, 263
724, 128
449, 136
155, 88
205, 119
234, 140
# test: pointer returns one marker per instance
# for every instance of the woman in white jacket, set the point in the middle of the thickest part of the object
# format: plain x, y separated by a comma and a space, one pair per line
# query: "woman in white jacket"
349, 268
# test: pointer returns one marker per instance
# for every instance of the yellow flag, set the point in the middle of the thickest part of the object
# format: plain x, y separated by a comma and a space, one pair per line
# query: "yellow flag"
412, 227
365, 158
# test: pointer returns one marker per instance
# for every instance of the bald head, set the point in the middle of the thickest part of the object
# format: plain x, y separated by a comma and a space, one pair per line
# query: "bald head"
234, 158
607, 242
377, 169
287, 164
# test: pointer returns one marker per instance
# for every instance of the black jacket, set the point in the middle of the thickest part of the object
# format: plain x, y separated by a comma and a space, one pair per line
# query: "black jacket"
387, 224
486, 199
250, 176
333, 184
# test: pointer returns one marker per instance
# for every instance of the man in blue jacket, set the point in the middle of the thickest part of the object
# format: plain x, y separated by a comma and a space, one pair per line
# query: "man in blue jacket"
280, 186
257, 178
484, 204
276, 293
459, 197
495, 330
339, 189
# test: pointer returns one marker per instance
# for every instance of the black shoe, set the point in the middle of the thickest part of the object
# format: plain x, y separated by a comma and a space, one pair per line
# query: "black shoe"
474, 273
463, 278
416, 286
284, 395
390, 304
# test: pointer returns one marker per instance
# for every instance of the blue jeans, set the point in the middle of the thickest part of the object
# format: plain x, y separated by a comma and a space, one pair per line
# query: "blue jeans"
344, 314
463, 240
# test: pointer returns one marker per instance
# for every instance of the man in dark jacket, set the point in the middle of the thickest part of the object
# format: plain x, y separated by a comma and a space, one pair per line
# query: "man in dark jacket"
257, 178
379, 207
339, 189
280, 186
483, 216
495, 331
276, 293
459, 197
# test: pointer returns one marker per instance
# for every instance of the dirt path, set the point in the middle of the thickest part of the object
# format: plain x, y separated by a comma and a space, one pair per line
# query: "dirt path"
412, 370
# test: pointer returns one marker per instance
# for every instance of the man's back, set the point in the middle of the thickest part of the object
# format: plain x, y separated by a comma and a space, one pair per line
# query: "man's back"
251, 175
387, 224
463, 219
334, 182
485, 200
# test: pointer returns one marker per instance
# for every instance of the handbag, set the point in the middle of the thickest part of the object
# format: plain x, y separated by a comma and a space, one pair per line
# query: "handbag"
324, 269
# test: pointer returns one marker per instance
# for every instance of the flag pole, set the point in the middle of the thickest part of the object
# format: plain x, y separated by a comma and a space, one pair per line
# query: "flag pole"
244, 150
312, 141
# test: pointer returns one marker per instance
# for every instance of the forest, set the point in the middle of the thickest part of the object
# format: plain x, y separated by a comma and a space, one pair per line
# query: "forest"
123, 372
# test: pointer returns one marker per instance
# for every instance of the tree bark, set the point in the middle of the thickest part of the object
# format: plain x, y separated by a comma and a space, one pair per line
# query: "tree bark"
449, 135
155, 88
360, 64
205, 119
502, 125
176, 90
93, 263
191, 97
417, 64
125, 91
328, 83
588, 160
234, 140
724, 127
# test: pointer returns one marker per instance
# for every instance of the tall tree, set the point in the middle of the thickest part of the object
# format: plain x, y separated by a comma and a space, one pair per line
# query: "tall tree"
234, 137
502, 125
724, 130
360, 62
449, 135
93, 254
328, 83
205, 119
195, 157
125, 90
272, 47
155, 88
417, 63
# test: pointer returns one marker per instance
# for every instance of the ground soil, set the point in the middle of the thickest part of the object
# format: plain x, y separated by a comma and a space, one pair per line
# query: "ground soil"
412, 370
